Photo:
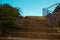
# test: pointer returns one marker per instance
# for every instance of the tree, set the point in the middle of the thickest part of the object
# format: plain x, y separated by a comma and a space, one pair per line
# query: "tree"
8, 17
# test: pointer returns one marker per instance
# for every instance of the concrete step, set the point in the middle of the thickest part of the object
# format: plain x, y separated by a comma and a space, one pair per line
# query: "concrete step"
17, 38
42, 30
35, 35
43, 33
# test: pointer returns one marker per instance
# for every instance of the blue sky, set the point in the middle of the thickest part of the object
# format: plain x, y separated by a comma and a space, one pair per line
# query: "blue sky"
31, 7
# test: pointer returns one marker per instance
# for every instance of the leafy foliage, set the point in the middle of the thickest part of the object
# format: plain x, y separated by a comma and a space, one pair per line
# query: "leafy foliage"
8, 16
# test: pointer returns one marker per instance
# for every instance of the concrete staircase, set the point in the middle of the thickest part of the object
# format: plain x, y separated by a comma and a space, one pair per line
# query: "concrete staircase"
34, 29
44, 34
